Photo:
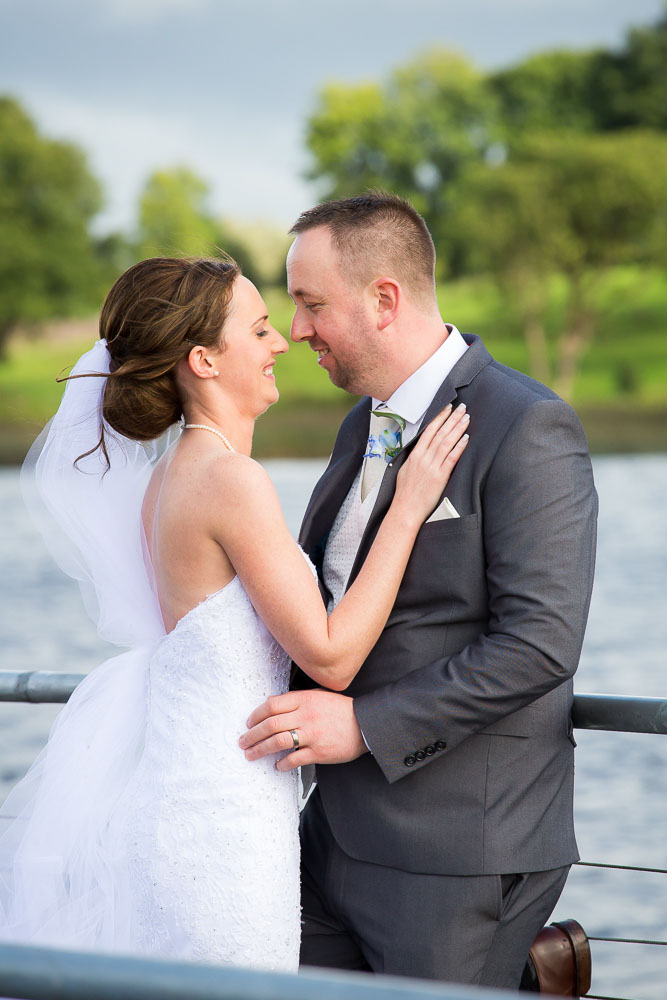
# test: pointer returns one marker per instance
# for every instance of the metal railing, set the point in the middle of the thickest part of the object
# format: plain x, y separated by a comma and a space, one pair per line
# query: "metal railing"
37, 686
49, 974
612, 713
620, 713
52, 974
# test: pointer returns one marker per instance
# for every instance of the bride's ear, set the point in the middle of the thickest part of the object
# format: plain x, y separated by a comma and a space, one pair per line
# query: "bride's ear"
201, 364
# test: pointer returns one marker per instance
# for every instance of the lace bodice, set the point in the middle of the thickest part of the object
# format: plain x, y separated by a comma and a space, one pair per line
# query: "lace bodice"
214, 853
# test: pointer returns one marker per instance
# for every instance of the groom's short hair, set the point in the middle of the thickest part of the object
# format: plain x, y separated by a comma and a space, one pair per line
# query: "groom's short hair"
376, 234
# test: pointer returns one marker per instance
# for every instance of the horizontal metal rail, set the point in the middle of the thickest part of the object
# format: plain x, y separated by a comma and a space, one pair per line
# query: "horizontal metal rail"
37, 686
617, 940
51, 974
620, 713
47, 974
620, 868
612, 713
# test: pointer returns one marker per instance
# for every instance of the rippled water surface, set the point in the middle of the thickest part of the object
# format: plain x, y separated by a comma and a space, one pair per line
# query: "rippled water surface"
621, 786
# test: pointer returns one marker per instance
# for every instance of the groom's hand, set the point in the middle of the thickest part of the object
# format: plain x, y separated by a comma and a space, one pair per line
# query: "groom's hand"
325, 724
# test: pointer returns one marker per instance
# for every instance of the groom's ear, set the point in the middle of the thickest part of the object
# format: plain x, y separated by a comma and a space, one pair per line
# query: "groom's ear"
388, 295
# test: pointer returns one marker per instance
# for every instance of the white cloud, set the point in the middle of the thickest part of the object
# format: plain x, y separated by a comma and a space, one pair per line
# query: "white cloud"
253, 167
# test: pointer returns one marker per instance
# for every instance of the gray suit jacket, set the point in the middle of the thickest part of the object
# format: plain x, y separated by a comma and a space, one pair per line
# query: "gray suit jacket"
465, 699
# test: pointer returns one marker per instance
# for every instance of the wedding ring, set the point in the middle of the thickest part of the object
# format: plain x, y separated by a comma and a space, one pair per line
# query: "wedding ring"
295, 738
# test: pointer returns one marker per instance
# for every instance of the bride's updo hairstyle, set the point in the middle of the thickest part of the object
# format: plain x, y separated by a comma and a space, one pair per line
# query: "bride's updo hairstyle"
156, 312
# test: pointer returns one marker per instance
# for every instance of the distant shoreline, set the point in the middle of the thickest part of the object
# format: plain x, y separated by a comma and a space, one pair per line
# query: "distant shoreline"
619, 388
308, 430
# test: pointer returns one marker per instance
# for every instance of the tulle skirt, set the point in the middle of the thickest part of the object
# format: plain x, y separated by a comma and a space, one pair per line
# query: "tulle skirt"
63, 870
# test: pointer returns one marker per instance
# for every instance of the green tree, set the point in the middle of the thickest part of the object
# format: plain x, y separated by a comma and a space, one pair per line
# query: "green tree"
48, 198
175, 220
115, 252
573, 208
413, 135
599, 90
630, 87
550, 90
513, 230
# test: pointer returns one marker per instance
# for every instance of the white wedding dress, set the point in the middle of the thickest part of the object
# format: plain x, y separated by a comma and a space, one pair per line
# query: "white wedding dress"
212, 838
142, 828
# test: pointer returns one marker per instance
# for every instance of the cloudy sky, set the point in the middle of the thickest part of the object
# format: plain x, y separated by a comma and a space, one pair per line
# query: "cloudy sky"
225, 85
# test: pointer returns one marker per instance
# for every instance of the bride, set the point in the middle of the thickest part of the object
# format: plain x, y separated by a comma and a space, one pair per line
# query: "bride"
142, 827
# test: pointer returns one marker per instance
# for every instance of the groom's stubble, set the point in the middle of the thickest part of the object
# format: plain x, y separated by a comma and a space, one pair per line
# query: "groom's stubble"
356, 370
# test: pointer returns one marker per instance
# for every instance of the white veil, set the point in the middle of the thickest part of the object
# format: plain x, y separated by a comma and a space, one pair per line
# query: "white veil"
90, 516
59, 876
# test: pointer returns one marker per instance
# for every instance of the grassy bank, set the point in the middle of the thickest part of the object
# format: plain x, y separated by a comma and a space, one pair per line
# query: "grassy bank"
620, 393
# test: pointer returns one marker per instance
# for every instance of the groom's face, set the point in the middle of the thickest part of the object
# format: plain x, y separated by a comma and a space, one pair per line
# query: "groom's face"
331, 313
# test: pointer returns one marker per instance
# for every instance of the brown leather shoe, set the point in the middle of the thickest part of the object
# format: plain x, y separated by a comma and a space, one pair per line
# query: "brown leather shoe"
559, 962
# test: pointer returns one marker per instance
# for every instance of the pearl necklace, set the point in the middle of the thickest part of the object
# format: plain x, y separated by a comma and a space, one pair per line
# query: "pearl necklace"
213, 430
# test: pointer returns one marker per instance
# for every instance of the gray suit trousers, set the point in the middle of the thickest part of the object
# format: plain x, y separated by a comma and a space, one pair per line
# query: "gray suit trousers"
474, 929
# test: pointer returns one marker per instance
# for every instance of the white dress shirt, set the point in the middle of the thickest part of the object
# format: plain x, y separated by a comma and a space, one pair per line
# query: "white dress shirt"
414, 396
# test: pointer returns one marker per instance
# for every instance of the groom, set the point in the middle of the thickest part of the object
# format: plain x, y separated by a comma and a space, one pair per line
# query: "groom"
440, 834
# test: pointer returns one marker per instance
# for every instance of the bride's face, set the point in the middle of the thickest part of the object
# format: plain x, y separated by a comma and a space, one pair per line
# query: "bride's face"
246, 361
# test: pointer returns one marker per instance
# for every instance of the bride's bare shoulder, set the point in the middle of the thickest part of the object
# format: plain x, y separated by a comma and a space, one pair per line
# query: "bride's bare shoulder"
239, 478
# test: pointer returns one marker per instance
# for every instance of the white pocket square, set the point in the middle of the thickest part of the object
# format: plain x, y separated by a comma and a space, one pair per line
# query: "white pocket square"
445, 509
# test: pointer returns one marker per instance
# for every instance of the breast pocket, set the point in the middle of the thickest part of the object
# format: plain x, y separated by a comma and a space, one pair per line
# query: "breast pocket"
446, 561
448, 526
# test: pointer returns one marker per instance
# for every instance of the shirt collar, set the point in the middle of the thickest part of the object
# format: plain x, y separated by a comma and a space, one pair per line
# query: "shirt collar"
414, 396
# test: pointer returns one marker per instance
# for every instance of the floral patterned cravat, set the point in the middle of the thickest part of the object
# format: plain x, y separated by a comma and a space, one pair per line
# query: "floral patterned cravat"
385, 440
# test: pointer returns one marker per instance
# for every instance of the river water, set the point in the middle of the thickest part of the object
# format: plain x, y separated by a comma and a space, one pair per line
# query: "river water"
621, 784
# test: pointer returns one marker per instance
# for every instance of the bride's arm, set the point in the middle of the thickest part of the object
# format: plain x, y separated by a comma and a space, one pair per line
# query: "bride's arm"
250, 527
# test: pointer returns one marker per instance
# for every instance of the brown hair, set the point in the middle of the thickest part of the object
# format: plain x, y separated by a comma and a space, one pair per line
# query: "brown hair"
154, 314
374, 232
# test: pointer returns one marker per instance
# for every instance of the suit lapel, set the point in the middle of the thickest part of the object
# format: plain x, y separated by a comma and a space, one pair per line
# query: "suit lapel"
464, 371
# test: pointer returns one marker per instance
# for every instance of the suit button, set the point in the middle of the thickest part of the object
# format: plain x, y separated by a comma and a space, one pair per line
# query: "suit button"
440, 745
429, 750
410, 761
420, 755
